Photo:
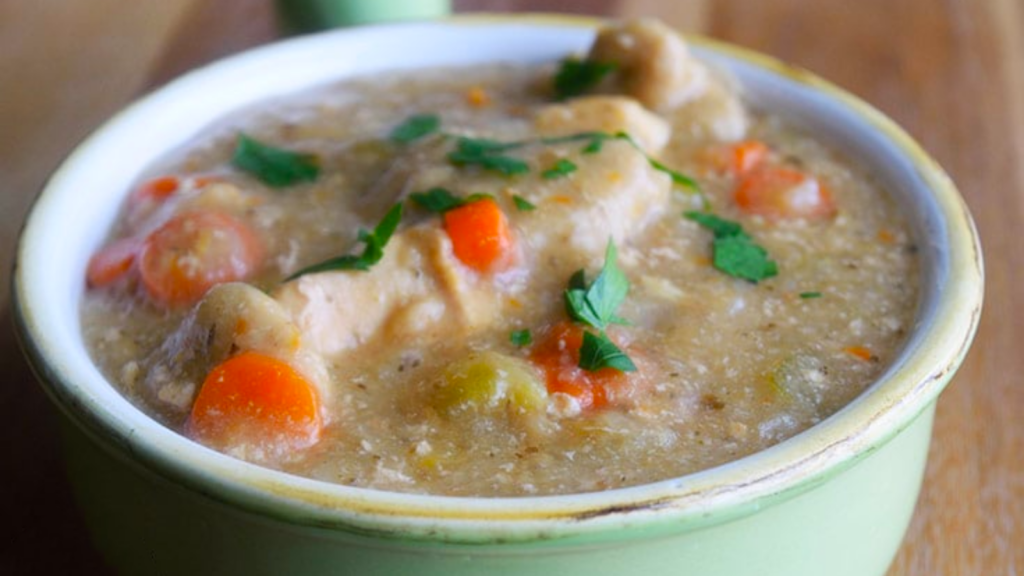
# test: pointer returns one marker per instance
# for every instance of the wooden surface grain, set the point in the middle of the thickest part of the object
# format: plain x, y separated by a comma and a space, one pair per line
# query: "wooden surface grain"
950, 71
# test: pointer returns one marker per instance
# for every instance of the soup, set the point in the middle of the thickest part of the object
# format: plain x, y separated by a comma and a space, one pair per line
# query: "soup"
503, 280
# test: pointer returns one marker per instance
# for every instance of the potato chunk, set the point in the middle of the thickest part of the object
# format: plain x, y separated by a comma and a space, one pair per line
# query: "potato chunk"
230, 318
417, 291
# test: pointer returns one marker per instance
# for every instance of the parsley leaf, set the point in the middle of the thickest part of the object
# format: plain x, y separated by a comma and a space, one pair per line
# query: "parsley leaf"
575, 76
734, 251
488, 155
740, 257
595, 144
441, 200
677, 177
273, 166
415, 127
437, 200
520, 338
562, 167
522, 204
720, 227
596, 304
373, 250
810, 295
598, 351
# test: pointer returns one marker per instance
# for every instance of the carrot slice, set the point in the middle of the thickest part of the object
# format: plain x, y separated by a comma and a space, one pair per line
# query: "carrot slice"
477, 97
778, 192
738, 158
861, 352
193, 252
480, 234
558, 356
157, 189
112, 262
144, 201
255, 401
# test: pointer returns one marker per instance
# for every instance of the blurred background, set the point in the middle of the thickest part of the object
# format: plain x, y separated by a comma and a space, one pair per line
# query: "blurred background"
950, 71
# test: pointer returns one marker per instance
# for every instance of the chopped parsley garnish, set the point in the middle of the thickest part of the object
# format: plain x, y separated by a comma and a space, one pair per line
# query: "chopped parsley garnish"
677, 177
599, 352
520, 338
575, 76
273, 166
488, 154
437, 200
595, 144
522, 204
810, 295
562, 167
734, 251
441, 200
720, 227
373, 250
492, 155
415, 127
595, 305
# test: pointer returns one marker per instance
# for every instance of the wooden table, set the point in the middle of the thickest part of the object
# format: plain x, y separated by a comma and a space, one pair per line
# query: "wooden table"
951, 72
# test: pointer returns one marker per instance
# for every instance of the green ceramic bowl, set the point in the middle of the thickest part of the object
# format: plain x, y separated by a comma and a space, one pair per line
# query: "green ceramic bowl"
833, 500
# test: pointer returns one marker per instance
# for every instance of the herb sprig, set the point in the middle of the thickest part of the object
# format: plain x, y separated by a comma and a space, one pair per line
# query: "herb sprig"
441, 200
373, 249
522, 204
415, 127
734, 251
574, 76
494, 155
563, 167
520, 338
595, 305
275, 167
488, 154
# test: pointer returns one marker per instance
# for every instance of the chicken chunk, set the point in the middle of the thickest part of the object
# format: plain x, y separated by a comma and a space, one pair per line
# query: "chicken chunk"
653, 62
230, 318
421, 292
718, 115
610, 114
418, 290
612, 194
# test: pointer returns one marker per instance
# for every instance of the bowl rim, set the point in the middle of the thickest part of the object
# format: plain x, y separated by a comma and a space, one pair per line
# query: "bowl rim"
703, 498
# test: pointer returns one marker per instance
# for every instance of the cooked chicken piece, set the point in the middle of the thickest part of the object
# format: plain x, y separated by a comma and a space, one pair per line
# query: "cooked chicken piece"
230, 318
717, 115
610, 114
654, 63
418, 290
612, 194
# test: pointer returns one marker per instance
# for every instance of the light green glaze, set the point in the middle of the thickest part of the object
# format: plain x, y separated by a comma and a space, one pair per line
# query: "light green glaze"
850, 525
323, 14
834, 500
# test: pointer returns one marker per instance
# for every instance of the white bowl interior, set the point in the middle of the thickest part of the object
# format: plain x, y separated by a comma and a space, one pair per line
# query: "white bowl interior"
82, 199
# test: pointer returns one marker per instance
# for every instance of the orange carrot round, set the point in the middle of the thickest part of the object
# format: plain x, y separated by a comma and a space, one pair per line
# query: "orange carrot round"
779, 192
738, 158
558, 356
860, 352
112, 262
254, 401
480, 234
195, 251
